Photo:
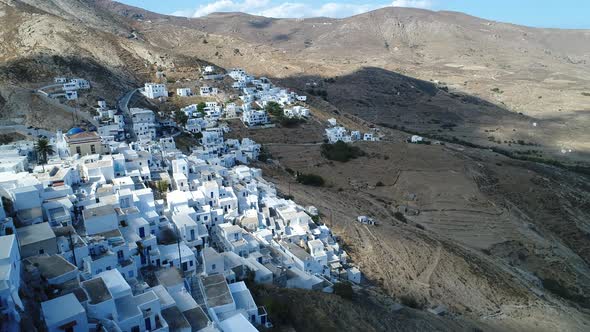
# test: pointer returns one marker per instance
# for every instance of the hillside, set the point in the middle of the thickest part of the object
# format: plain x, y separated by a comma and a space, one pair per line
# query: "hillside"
524, 75
501, 242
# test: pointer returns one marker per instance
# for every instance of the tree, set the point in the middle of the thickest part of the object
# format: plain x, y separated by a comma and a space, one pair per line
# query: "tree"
344, 290
162, 187
341, 151
274, 109
310, 179
201, 107
180, 117
44, 149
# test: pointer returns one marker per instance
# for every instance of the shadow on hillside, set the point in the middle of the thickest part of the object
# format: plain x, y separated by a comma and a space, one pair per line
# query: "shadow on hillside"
396, 101
43, 69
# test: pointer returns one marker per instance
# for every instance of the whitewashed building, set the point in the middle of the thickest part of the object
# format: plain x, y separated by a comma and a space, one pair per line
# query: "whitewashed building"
155, 90
144, 123
184, 92
254, 118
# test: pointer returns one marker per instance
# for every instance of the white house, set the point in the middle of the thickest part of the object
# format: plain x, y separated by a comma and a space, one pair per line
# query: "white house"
208, 91
296, 112
368, 137
254, 117
416, 139
64, 313
337, 133
76, 84
212, 261
184, 92
354, 275
144, 123
155, 90
100, 219
10, 270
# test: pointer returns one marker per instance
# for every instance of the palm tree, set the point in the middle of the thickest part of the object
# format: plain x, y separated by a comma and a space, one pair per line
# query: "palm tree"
44, 149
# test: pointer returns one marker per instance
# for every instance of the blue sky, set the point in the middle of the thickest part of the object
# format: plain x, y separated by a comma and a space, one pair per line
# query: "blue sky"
571, 14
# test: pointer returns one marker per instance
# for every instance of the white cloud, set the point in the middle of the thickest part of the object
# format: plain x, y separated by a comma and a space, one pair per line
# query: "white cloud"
299, 10
246, 6
271, 8
426, 4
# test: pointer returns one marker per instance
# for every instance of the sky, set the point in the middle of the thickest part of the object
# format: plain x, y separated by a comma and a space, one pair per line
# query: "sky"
566, 14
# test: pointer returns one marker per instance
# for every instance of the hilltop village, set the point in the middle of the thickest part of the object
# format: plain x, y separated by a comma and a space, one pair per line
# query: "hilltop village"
113, 228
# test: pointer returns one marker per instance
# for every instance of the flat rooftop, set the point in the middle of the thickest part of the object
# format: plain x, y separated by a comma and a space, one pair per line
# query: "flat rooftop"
98, 211
175, 319
58, 310
51, 266
197, 318
297, 251
169, 276
34, 233
216, 291
97, 290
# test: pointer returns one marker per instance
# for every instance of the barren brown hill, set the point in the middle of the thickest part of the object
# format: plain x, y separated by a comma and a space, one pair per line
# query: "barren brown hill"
502, 243
503, 77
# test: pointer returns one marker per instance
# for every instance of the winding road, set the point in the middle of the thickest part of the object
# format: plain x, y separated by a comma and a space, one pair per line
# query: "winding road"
123, 106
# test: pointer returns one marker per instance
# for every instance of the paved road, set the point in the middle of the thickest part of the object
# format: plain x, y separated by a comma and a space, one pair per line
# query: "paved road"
50, 86
123, 106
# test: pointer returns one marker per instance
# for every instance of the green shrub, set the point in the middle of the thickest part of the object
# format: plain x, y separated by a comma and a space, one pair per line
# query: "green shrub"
400, 216
344, 290
273, 108
264, 155
341, 151
310, 180
411, 302
290, 122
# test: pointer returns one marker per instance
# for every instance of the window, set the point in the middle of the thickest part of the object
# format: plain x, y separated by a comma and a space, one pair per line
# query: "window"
191, 263
213, 266
78, 151
92, 149
130, 273
148, 324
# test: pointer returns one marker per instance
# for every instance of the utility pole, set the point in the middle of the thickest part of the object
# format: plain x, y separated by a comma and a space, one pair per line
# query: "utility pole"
72, 248
179, 253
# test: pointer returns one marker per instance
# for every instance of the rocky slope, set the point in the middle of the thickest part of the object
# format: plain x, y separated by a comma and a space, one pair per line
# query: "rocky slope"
502, 243
520, 75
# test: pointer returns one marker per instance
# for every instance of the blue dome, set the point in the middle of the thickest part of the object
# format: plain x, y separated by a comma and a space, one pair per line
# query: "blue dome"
74, 131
